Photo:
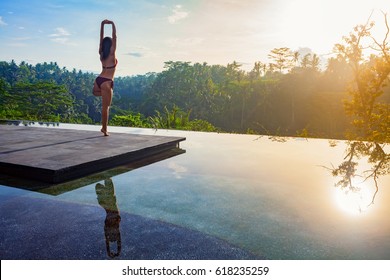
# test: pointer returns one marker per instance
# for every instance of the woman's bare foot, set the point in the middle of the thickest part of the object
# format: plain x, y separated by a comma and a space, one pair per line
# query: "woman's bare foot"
104, 132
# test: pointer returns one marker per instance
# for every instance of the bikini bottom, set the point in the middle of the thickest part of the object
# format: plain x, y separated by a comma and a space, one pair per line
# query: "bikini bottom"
99, 80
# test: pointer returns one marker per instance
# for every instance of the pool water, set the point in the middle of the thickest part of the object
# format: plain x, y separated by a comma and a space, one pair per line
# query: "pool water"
250, 196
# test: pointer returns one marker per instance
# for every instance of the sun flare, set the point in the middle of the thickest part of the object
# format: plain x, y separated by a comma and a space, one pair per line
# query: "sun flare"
321, 27
354, 202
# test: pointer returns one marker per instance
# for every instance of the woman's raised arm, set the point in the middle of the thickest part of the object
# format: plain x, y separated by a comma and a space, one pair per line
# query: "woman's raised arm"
101, 36
113, 47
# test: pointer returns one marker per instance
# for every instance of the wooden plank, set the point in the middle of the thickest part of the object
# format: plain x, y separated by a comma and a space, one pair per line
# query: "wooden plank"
56, 155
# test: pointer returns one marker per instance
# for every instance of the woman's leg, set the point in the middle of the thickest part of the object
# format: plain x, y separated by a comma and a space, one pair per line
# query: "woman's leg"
106, 92
96, 90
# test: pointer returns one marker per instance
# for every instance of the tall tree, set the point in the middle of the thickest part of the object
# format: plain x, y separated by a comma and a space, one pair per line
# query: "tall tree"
283, 58
370, 76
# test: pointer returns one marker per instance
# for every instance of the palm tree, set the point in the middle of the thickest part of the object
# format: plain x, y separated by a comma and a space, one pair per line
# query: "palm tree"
296, 58
282, 58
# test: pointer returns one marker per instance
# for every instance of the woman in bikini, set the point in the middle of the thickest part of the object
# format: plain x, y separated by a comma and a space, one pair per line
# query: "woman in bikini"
104, 83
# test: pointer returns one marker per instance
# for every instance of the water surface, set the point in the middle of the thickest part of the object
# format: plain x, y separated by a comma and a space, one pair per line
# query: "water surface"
271, 198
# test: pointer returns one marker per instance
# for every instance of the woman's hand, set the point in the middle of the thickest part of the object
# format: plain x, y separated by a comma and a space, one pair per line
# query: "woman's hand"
106, 21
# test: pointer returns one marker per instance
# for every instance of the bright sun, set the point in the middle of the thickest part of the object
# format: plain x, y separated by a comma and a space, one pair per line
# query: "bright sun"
354, 202
323, 26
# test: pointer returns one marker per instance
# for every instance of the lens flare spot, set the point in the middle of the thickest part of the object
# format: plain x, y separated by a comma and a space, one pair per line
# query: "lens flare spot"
354, 201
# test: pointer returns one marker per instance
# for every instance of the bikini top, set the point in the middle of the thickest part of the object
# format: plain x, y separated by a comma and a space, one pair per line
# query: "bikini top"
111, 67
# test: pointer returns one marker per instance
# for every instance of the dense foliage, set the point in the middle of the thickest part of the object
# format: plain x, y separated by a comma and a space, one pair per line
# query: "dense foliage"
224, 96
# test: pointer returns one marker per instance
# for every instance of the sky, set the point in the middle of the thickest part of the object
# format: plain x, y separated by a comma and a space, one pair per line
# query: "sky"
151, 32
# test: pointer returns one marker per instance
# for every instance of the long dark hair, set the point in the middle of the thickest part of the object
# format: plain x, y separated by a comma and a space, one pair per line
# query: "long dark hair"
106, 46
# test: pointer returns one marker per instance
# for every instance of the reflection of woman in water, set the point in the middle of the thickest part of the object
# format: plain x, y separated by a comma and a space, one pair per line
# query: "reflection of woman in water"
104, 83
106, 198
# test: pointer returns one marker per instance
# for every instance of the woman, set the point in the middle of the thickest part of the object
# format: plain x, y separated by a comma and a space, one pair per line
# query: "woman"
104, 83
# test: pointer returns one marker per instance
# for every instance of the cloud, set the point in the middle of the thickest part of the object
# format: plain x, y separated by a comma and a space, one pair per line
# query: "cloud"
17, 45
184, 42
177, 169
21, 38
178, 14
53, 6
2, 22
18, 42
61, 36
61, 40
60, 32
140, 51
135, 54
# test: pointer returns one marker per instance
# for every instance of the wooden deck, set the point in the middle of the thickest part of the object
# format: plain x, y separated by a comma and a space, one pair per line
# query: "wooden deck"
56, 155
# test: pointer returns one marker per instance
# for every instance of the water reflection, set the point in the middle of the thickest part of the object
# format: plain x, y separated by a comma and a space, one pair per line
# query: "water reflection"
358, 175
266, 197
104, 189
66, 187
107, 199
27, 123
358, 181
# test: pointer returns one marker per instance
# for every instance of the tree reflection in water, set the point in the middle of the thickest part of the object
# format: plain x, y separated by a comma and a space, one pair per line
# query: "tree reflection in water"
107, 199
368, 106
351, 178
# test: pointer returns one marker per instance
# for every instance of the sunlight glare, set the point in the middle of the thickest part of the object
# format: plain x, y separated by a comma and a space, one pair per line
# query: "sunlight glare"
354, 202
321, 24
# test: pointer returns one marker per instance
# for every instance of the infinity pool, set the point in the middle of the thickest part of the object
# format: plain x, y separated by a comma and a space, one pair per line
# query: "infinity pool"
227, 196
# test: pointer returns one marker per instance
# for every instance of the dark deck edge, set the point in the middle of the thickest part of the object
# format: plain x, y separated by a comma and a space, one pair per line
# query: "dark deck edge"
84, 169
66, 186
